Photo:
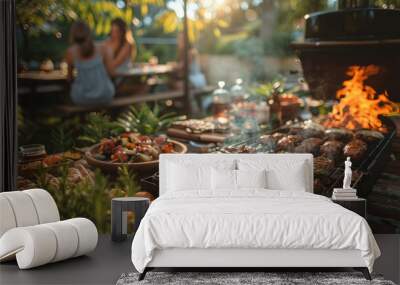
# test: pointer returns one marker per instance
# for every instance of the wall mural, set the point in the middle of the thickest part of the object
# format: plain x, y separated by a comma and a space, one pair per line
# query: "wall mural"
100, 97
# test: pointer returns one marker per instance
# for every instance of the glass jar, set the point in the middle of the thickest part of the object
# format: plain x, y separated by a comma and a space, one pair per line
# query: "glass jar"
32, 152
238, 92
221, 101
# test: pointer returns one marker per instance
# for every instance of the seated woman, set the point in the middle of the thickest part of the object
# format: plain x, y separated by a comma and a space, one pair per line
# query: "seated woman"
92, 84
121, 47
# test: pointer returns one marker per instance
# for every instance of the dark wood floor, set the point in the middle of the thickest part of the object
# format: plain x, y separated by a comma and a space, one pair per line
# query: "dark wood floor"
110, 260
103, 266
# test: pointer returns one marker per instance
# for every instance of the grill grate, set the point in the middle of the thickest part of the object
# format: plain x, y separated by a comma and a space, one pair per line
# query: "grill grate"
366, 172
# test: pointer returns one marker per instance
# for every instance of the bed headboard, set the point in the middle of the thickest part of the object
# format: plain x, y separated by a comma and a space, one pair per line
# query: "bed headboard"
210, 159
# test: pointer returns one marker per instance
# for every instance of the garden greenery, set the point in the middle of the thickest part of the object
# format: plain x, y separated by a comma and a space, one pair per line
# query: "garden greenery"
146, 121
97, 127
90, 198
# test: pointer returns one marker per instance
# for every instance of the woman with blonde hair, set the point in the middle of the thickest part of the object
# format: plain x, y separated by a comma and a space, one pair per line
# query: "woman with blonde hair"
92, 84
121, 46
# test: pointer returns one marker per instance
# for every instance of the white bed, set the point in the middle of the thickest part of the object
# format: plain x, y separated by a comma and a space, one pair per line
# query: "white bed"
248, 227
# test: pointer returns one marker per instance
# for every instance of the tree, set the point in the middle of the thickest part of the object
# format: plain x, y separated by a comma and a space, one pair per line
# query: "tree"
45, 17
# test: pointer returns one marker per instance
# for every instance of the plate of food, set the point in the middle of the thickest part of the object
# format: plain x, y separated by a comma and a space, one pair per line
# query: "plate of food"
137, 152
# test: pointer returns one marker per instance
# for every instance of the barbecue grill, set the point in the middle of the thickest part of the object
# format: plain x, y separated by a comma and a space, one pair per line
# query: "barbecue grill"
355, 34
366, 171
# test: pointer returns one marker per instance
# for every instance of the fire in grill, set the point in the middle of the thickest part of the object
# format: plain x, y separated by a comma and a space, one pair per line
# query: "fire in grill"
359, 105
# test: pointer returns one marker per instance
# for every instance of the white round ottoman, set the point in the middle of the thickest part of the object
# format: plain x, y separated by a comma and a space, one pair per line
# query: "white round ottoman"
31, 230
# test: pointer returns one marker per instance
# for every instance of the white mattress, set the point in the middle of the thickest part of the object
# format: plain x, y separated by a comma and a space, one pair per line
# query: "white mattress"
253, 219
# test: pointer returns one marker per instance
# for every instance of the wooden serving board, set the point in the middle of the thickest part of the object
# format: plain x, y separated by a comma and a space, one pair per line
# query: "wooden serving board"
201, 137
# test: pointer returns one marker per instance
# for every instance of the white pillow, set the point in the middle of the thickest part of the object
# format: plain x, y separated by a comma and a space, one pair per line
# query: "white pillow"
288, 175
295, 180
188, 177
251, 178
223, 179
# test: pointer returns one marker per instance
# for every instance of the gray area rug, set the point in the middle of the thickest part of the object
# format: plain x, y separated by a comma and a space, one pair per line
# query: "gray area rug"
233, 278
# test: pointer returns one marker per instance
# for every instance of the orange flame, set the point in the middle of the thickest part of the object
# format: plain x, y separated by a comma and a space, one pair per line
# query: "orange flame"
359, 106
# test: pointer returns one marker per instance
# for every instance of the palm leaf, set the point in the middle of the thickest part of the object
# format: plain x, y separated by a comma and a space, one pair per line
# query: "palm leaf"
145, 120
98, 126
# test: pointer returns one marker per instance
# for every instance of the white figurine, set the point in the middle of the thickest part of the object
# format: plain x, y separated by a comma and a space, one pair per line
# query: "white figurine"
347, 174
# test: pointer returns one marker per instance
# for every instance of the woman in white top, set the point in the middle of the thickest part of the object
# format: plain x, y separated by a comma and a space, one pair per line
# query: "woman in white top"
121, 47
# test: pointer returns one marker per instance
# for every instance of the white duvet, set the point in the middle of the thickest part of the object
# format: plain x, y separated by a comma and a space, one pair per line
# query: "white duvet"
250, 219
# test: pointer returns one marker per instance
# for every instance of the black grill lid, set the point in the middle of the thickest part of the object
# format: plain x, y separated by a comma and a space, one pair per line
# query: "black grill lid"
353, 24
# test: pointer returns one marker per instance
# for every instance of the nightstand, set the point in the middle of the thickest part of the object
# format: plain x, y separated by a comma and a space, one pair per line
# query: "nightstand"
357, 205
119, 215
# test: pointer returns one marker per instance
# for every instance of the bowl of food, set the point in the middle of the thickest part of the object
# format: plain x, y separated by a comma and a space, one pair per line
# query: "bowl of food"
137, 152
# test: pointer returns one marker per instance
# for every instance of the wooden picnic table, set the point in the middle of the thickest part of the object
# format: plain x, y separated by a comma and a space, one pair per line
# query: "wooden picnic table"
59, 75
148, 70
57, 80
35, 75
38, 82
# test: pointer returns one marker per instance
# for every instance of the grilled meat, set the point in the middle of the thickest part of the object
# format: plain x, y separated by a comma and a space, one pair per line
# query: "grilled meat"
310, 145
355, 149
271, 140
332, 149
323, 166
239, 149
369, 136
312, 130
295, 130
342, 135
288, 143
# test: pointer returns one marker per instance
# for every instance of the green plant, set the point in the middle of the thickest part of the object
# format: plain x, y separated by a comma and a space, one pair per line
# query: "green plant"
62, 138
146, 121
126, 181
265, 89
26, 127
86, 198
89, 198
41, 178
61, 193
100, 200
98, 126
